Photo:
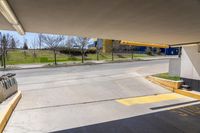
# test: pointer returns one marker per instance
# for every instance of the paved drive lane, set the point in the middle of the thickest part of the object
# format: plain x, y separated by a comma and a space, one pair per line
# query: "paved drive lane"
84, 99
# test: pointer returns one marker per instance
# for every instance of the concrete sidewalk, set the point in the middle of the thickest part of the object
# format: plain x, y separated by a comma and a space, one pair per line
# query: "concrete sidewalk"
159, 57
92, 62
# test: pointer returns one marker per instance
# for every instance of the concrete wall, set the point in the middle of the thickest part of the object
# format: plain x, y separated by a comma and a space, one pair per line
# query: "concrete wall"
190, 62
175, 67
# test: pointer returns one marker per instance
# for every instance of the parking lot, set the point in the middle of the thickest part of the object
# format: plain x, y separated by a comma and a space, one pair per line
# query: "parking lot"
101, 98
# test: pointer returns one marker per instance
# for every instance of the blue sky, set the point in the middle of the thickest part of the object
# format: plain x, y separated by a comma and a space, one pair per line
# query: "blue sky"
28, 36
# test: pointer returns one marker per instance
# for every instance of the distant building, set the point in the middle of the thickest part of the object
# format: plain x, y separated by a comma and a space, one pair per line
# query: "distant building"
107, 48
166, 51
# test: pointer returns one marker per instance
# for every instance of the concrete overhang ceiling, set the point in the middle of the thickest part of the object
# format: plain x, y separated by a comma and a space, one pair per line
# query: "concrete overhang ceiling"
150, 21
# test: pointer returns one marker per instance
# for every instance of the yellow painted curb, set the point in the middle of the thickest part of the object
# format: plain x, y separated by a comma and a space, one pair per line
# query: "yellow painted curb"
173, 86
188, 93
5, 115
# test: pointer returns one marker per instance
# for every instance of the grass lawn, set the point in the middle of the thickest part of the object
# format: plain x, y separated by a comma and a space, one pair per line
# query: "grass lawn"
106, 56
45, 56
167, 76
27, 57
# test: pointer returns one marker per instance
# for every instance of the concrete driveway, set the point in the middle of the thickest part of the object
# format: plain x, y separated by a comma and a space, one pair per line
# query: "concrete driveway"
86, 99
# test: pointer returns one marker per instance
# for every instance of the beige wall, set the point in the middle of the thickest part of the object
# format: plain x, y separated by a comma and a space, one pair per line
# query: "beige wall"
190, 62
175, 67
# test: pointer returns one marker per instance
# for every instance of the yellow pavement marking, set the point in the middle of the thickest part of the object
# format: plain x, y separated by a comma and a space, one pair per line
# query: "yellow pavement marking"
149, 99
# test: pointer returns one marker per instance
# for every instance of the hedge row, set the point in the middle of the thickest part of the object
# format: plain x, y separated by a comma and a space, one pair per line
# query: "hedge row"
77, 52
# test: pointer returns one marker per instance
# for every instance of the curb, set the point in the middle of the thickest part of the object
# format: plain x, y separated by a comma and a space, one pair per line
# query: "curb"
5, 115
166, 83
175, 90
187, 93
72, 65
69, 65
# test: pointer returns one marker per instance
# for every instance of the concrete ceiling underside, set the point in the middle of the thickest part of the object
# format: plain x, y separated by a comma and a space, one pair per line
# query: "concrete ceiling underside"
150, 21
4, 23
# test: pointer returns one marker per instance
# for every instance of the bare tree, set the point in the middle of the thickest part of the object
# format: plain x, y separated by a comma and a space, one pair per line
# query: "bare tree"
53, 42
82, 42
6, 41
25, 47
4, 44
9, 40
40, 40
14, 43
35, 46
69, 44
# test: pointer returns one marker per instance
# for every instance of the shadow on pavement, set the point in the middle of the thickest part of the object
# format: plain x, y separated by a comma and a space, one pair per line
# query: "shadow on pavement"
180, 120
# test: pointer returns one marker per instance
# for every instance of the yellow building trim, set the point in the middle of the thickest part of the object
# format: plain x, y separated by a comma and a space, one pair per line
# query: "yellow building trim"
144, 44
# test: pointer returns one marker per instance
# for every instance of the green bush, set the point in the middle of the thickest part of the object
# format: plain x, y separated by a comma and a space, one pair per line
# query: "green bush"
91, 50
43, 59
73, 51
77, 52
